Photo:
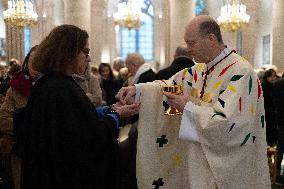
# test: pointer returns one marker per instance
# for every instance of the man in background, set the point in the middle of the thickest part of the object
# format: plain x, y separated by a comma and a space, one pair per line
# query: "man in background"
182, 59
139, 69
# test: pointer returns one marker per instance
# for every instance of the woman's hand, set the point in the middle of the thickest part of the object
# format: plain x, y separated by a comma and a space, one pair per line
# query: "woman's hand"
126, 110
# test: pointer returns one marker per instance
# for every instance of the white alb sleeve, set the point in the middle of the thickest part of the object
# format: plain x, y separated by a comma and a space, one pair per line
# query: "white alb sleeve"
138, 93
188, 126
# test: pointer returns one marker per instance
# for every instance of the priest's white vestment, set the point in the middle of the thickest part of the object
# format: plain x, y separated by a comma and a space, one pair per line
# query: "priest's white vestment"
218, 142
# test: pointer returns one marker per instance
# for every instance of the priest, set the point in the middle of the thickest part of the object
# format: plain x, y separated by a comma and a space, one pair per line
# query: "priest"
219, 140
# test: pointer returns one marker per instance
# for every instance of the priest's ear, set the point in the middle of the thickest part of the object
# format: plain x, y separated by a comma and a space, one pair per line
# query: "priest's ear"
212, 39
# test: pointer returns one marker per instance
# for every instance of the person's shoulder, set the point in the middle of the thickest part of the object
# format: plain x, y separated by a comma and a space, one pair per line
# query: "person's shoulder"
183, 60
55, 82
241, 65
279, 82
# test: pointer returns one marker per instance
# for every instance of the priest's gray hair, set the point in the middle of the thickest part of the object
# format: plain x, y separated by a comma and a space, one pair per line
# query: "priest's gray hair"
210, 26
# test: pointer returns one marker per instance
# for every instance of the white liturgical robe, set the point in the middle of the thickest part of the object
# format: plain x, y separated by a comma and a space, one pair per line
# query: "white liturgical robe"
218, 142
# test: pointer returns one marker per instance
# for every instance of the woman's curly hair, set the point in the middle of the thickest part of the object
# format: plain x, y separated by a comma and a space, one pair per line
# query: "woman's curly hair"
59, 49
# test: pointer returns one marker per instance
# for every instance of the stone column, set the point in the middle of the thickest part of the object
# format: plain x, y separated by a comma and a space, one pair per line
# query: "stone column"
181, 12
277, 33
15, 43
97, 35
161, 34
45, 11
249, 39
78, 13
58, 12
14, 40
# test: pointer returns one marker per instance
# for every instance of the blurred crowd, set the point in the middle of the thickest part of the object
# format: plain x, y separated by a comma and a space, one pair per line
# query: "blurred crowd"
272, 82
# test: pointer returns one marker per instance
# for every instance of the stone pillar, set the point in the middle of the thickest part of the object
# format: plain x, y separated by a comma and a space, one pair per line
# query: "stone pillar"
97, 34
161, 34
58, 12
181, 12
78, 13
277, 33
249, 39
15, 43
45, 11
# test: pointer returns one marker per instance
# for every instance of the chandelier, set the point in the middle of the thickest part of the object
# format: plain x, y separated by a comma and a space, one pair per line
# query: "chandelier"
233, 17
20, 13
128, 15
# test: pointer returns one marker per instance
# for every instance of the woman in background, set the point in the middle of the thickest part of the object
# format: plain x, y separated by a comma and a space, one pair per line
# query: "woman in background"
269, 77
91, 85
109, 84
16, 97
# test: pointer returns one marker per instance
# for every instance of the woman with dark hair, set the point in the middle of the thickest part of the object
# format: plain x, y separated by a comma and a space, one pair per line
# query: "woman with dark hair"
109, 84
269, 77
68, 143
16, 98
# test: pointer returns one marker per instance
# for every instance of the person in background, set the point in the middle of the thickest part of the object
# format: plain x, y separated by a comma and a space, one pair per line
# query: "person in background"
4, 81
139, 69
269, 78
109, 84
91, 85
14, 68
95, 71
121, 71
117, 64
278, 101
67, 141
182, 60
16, 97
13, 61
260, 72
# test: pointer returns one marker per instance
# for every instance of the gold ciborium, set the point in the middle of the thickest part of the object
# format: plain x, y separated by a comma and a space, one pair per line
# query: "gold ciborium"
177, 90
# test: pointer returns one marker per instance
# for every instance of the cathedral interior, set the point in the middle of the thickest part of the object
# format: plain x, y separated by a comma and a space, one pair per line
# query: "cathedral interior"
153, 28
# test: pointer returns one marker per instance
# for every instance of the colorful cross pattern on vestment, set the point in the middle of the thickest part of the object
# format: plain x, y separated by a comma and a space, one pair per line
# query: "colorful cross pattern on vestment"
240, 104
258, 89
218, 113
178, 160
262, 121
250, 84
225, 69
162, 141
190, 71
246, 139
232, 126
158, 183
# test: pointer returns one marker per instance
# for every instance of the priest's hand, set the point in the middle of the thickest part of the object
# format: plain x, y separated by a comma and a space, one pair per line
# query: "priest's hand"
126, 110
177, 101
126, 95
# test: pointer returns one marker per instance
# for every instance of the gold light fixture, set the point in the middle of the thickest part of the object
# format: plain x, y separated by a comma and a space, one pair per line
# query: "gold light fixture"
128, 15
233, 16
20, 13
